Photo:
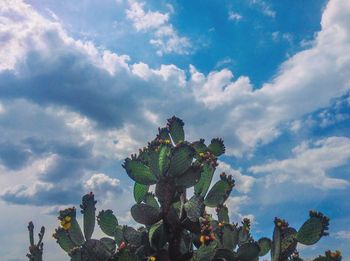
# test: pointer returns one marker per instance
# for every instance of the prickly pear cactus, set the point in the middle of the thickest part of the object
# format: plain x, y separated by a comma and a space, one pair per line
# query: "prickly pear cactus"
174, 226
35, 250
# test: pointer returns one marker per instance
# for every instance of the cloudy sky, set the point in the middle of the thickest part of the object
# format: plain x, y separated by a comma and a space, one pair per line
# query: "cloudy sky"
85, 84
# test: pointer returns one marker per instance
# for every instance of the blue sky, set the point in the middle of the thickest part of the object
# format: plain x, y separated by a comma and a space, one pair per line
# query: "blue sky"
84, 85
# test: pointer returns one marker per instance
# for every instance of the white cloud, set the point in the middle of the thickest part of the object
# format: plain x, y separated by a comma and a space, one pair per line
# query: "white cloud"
243, 183
145, 20
244, 116
234, 205
101, 182
307, 81
344, 234
233, 16
309, 164
263, 7
164, 37
217, 88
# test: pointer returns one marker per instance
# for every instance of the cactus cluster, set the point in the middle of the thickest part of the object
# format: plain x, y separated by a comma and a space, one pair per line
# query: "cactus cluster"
175, 227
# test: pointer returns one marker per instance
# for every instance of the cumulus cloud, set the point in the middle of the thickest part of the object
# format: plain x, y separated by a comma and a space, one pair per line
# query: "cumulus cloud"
164, 37
106, 88
102, 183
310, 164
104, 105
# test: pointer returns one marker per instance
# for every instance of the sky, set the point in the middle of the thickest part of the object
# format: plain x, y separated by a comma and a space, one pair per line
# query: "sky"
83, 84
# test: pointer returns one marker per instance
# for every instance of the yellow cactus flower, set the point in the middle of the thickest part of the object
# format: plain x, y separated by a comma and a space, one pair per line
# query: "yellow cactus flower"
152, 258
63, 222
67, 218
201, 154
67, 226
167, 141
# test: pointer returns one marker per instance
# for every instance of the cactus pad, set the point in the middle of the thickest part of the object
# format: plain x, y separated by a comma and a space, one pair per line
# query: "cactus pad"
194, 208
265, 245
180, 159
107, 222
164, 154
217, 147
248, 251
140, 192
175, 127
190, 177
222, 213
151, 200
63, 239
145, 214
139, 172
199, 146
88, 210
157, 235
313, 229
218, 193
203, 184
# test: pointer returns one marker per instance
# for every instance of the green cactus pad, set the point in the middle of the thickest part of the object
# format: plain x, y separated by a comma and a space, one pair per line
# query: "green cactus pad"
75, 232
218, 194
243, 235
163, 134
139, 172
222, 213
194, 207
190, 177
229, 237
288, 242
313, 229
164, 158
276, 241
206, 252
107, 222
265, 245
175, 127
95, 250
118, 235
151, 200
153, 162
63, 239
132, 236
248, 251
145, 214
217, 147
88, 210
109, 243
180, 159
140, 192
157, 235
199, 146
203, 184
223, 254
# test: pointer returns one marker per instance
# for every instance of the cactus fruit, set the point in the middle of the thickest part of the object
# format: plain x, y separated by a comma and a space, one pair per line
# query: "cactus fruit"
175, 227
